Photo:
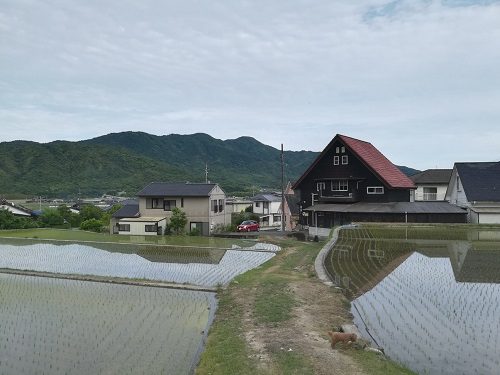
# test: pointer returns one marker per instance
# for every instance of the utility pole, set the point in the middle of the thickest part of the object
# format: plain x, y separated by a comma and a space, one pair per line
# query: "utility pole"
206, 173
282, 190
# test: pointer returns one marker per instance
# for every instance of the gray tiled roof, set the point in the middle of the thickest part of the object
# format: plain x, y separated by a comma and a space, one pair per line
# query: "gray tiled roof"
432, 176
392, 207
481, 181
129, 210
293, 203
164, 189
266, 198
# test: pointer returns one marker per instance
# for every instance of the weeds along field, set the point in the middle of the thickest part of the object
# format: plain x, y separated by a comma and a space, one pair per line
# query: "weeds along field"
53, 326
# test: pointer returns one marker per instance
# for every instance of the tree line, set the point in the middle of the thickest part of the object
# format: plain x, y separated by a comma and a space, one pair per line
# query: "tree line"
88, 218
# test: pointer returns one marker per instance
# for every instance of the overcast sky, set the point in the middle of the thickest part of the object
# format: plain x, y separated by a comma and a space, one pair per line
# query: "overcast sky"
418, 79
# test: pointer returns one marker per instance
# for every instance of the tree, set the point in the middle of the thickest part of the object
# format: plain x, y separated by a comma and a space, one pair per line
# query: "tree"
51, 217
70, 217
9, 221
178, 220
64, 211
106, 216
90, 211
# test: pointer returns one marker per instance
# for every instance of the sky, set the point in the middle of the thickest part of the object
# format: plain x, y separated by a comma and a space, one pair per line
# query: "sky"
418, 79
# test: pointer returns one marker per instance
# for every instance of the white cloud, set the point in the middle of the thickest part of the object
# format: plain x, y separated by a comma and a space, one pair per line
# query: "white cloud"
405, 75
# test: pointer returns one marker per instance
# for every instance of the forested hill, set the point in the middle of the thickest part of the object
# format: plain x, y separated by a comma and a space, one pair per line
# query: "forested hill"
129, 160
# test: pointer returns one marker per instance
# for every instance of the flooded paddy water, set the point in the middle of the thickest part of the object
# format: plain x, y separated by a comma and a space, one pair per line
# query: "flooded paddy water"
60, 326
430, 297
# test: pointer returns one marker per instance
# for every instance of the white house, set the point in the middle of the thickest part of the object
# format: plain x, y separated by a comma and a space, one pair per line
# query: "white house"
431, 184
14, 209
237, 205
476, 186
204, 205
268, 207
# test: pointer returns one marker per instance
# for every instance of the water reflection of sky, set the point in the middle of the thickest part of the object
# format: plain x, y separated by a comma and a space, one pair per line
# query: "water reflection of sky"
433, 324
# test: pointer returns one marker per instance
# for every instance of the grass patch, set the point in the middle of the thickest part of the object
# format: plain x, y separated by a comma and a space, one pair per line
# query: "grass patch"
273, 302
292, 363
303, 257
376, 365
226, 352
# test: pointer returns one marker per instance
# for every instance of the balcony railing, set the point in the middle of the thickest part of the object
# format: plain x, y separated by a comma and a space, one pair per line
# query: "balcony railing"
430, 196
339, 197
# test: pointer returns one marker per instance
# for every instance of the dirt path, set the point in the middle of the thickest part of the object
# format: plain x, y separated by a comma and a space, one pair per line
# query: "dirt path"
318, 308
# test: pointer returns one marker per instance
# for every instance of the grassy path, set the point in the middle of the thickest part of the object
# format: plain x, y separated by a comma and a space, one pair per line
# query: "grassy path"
274, 319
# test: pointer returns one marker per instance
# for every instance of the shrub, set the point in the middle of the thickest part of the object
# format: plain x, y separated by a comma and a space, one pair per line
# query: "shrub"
195, 232
92, 225
237, 218
178, 220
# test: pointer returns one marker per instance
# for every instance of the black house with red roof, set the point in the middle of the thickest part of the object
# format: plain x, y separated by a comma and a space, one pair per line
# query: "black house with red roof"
353, 181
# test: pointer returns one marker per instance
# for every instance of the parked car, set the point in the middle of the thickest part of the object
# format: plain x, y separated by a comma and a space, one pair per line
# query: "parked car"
248, 226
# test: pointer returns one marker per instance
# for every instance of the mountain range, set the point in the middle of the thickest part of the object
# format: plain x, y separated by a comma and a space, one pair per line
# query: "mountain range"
129, 160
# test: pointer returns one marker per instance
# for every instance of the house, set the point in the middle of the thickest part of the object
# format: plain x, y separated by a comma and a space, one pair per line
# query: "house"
237, 205
268, 207
204, 205
15, 209
353, 181
431, 184
476, 187
129, 209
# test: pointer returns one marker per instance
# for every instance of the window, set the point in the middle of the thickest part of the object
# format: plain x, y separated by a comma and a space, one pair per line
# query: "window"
343, 149
221, 205
430, 193
265, 205
153, 203
320, 186
375, 190
151, 228
124, 227
340, 185
337, 150
215, 207
196, 227
257, 204
345, 159
168, 205
336, 159
276, 218
182, 202
458, 184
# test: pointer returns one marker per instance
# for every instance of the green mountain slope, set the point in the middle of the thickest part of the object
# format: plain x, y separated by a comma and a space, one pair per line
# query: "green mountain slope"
237, 164
129, 160
65, 168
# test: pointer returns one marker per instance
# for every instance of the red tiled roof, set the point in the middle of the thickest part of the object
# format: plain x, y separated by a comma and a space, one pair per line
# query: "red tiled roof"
378, 163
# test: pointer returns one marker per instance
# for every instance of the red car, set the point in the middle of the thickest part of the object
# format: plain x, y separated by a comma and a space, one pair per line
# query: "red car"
248, 226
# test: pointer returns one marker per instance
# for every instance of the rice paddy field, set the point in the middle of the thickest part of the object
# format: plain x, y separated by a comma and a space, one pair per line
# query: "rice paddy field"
53, 325
207, 267
429, 296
